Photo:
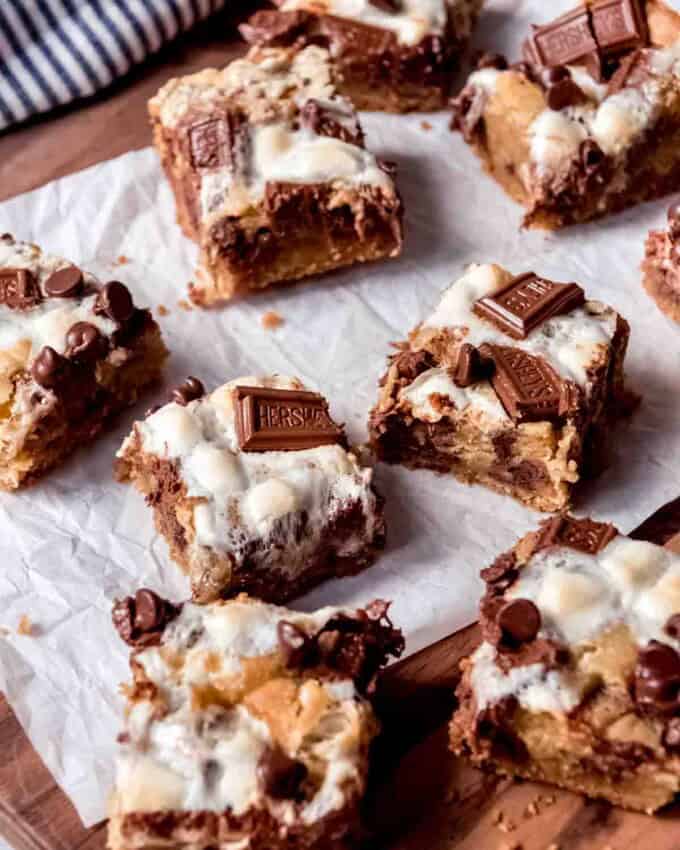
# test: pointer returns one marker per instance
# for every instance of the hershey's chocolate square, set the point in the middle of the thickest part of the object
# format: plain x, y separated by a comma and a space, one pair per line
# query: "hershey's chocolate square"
565, 40
527, 386
19, 289
618, 25
586, 535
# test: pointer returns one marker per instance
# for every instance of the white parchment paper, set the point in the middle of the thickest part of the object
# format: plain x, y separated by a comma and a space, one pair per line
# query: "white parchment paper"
75, 541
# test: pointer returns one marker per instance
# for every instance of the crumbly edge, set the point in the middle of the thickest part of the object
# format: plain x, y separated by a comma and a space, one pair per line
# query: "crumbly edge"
661, 284
215, 574
572, 751
53, 438
536, 463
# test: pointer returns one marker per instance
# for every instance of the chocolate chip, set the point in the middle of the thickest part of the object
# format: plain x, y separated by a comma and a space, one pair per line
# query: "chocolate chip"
295, 646
672, 627
64, 283
592, 155
657, 679
85, 342
49, 368
280, 775
519, 621
674, 221
563, 93
115, 301
492, 60
149, 608
190, 390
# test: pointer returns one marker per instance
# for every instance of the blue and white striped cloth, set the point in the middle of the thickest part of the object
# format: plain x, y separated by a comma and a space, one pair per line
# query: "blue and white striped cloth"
54, 51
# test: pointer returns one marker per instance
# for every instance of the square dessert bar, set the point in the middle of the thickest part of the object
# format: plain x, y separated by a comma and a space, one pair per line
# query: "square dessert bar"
511, 383
387, 55
247, 725
589, 122
254, 489
661, 266
577, 679
73, 353
270, 173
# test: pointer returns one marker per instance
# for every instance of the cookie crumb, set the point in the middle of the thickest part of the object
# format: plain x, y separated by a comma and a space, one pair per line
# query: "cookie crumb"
426, 125
162, 310
271, 320
25, 626
122, 260
184, 304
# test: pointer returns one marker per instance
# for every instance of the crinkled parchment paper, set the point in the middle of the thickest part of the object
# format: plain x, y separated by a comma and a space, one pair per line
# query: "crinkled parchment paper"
76, 540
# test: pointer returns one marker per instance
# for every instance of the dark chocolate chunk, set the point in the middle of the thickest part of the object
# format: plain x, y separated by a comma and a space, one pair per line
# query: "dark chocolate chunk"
387, 5
325, 120
492, 60
64, 283
115, 301
470, 367
674, 221
519, 621
296, 647
564, 93
618, 25
141, 619
85, 342
626, 72
283, 420
50, 369
280, 775
564, 41
18, 289
586, 535
672, 627
527, 386
657, 679
526, 302
188, 391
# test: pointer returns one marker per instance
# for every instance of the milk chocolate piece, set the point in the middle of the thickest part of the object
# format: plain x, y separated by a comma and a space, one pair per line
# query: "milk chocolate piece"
324, 120
64, 283
586, 535
564, 41
618, 25
528, 387
526, 302
657, 679
213, 143
283, 420
470, 367
18, 289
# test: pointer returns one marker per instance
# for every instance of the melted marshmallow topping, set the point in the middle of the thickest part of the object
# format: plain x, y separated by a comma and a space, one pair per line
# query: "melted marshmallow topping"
194, 758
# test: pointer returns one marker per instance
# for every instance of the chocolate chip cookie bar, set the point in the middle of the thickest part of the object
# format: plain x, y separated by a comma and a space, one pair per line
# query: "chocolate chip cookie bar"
254, 488
510, 383
661, 266
270, 173
387, 55
247, 725
577, 679
73, 353
589, 122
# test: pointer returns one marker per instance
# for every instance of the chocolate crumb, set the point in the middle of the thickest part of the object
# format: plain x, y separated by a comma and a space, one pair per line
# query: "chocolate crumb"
184, 304
271, 320
25, 626
426, 125
162, 310
122, 260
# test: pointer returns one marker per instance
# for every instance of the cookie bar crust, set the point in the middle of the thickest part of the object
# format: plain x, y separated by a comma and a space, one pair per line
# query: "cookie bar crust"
432, 415
246, 724
274, 521
73, 354
270, 173
661, 265
386, 57
577, 681
572, 143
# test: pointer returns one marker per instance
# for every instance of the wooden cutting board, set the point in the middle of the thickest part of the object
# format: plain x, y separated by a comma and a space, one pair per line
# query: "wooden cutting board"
422, 798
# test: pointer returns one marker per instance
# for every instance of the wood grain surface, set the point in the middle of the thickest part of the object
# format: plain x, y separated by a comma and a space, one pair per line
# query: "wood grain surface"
422, 798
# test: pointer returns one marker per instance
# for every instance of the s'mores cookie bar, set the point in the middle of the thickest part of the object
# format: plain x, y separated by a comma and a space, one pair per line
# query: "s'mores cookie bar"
577, 680
270, 173
247, 725
509, 383
254, 488
589, 122
661, 266
73, 353
387, 55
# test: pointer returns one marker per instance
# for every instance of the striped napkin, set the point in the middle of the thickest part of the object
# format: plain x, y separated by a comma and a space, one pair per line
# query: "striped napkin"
55, 51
